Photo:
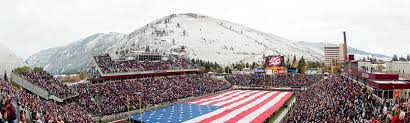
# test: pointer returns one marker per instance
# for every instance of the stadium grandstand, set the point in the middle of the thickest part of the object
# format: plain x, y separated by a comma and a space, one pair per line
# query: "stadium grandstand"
148, 95
43, 84
280, 80
106, 68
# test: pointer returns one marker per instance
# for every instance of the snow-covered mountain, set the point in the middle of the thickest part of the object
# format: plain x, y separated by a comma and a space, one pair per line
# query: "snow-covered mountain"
75, 56
202, 37
8, 60
318, 47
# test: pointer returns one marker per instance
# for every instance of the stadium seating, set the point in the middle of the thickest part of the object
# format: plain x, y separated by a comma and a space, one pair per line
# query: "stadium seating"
108, 65
338, 99
285, 80
111, 97
47, 82
48, 110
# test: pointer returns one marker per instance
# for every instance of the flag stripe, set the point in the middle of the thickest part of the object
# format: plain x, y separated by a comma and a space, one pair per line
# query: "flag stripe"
224, 98
200, 118
239, 97
242, 106
234, 101
213, 97
270, 110
255, 111
232, 108
232, 113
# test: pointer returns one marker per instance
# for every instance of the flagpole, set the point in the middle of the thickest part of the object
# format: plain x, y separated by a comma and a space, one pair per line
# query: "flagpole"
139, 98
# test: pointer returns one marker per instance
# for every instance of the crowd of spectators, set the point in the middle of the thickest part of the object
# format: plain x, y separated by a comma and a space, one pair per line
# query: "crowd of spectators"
41, 110
47, 82
338, 99
290, 80
113, 97
284, 80
108, 65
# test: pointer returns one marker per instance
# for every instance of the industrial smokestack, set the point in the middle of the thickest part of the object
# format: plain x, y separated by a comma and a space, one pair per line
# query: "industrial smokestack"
345, 46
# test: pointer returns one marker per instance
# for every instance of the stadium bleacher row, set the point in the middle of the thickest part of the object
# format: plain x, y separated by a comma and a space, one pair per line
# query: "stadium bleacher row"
334, 99
41, 109
284, 80
111, 97
338, 99
47, 82
108, 65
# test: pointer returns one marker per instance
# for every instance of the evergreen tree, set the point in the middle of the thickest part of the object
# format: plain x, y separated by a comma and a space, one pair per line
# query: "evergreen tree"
253, 66
227, 69
402, 58
395, 58
294, 61
147, 49
408, 57
301, 65
287, 64
5, 76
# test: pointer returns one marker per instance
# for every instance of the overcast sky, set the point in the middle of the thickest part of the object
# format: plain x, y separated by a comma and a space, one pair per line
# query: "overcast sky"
28, 26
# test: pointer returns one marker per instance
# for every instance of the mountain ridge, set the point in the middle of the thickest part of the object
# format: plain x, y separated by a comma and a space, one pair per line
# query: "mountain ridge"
201, 36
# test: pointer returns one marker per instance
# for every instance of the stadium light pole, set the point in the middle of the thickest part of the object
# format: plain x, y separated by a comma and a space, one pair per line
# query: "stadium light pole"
128, 106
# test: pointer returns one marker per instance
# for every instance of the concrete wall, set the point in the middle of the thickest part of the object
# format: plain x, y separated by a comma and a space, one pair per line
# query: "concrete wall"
398, 66
29, 86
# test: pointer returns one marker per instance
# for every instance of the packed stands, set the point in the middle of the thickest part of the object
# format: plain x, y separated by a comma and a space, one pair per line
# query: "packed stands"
47, 82
108, 65
111, 97
43, 110
285, 80
338, 99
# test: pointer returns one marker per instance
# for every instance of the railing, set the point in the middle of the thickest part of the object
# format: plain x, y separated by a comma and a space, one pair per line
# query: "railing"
146, 72
52, 97
29, 86
34, 88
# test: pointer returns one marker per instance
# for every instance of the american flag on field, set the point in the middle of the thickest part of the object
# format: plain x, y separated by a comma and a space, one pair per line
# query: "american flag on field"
242, 106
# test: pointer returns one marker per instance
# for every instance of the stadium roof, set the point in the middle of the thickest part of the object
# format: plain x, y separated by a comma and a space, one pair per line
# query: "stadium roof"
388, 85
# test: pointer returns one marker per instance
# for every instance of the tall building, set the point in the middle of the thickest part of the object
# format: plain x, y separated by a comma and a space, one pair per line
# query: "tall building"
336, 54
333, 55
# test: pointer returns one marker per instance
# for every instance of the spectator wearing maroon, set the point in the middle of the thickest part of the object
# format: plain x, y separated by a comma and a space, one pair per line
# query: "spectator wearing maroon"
10, 114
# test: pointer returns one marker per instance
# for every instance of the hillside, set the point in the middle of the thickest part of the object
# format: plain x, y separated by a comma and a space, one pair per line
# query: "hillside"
203, 37
8, 60
75, 56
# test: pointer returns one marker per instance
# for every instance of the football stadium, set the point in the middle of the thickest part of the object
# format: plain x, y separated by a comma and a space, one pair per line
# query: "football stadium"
149, 88
193, 68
